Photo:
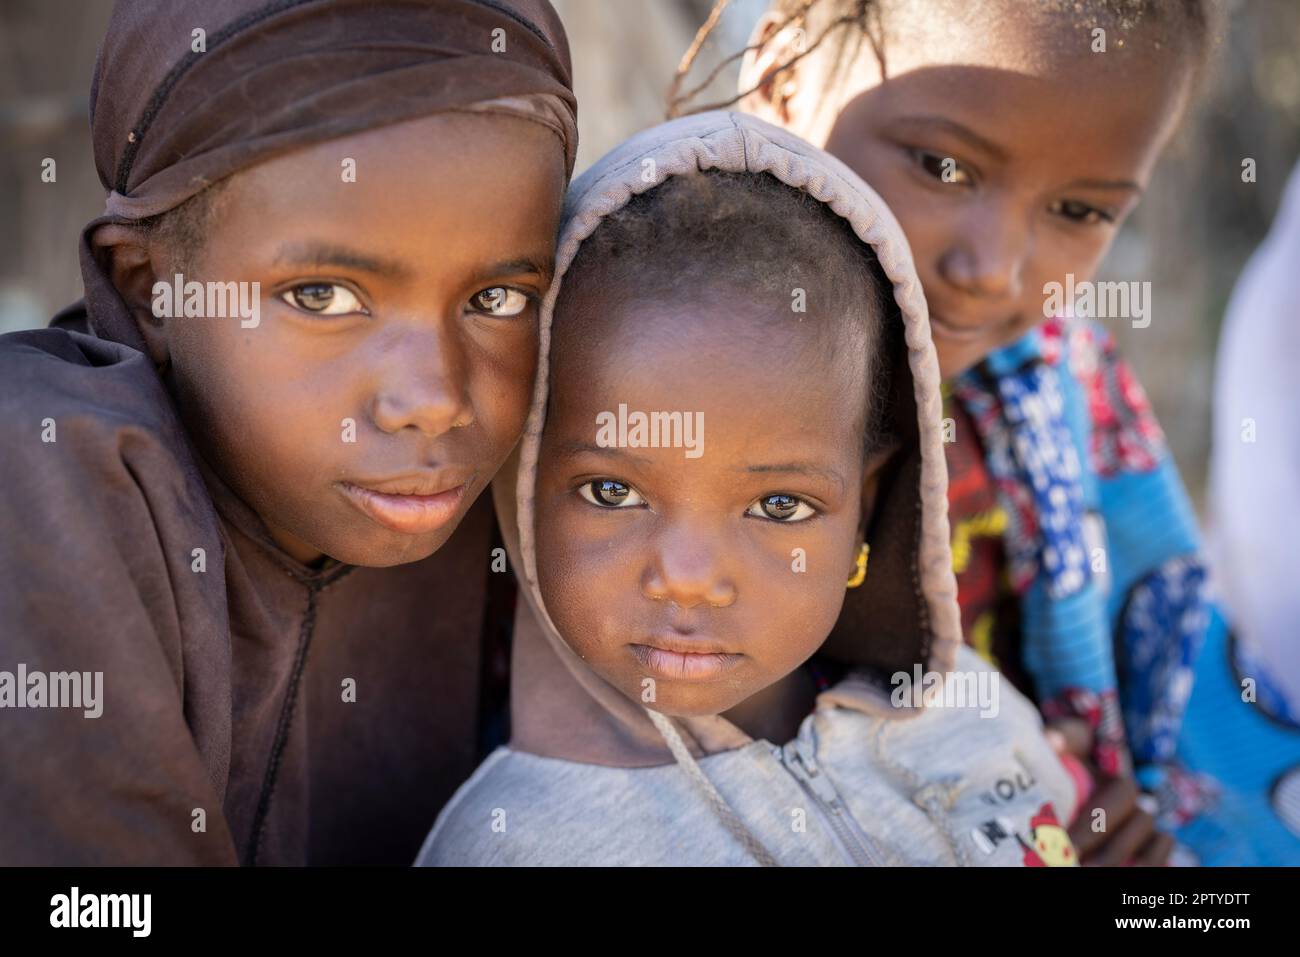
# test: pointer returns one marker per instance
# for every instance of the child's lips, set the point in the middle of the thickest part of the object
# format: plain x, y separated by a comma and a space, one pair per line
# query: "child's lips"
413, 504
994, 331
957, 333
683, 660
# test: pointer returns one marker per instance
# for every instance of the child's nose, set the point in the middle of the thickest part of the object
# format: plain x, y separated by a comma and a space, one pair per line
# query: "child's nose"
987, 260
688, 570
423, 385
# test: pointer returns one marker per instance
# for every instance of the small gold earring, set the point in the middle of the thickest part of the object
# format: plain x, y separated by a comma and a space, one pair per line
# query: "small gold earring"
860, 571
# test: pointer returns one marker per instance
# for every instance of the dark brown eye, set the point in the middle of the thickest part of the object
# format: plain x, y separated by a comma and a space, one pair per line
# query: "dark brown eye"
782, 508
323, 299
499, 301
942, 167
1078, 212
610, 493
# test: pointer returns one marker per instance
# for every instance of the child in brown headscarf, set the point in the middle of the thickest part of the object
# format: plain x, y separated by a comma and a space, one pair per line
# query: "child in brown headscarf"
189, 493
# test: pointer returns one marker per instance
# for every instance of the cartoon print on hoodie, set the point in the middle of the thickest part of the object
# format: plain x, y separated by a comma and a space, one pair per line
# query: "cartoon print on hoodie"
593, 776
1049, 845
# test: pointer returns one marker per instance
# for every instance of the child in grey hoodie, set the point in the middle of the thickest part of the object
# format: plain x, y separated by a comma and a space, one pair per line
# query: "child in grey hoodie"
735, 424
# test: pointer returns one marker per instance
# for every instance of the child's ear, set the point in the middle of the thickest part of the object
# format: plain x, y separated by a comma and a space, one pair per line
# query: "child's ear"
125, 251
771, 46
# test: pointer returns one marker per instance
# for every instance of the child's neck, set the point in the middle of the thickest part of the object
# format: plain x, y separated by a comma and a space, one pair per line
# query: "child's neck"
775, 713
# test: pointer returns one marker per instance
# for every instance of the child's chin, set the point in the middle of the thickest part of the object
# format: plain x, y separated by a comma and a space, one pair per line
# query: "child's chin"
387, 550
695, 702
956, 361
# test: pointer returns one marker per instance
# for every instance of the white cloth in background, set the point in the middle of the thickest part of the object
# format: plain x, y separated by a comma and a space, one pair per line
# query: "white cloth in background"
1255, 485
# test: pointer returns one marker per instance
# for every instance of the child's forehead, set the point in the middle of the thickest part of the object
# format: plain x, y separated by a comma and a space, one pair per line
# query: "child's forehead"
725, 351
604, 326
478, 192
445, 143
1036, 39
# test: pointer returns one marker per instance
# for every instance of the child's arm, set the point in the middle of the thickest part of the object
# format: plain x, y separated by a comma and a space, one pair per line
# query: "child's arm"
1109, 827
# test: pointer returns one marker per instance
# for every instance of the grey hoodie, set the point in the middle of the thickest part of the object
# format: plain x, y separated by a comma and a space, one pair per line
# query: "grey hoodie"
878, 774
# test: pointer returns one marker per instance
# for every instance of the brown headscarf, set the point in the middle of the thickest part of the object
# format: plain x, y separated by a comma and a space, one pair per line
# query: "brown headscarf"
272, 76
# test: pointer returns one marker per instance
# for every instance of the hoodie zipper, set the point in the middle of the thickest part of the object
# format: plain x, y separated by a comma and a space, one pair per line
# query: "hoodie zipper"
797, 758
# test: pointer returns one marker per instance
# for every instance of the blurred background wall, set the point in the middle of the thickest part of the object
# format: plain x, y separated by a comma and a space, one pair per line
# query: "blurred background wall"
1190, 237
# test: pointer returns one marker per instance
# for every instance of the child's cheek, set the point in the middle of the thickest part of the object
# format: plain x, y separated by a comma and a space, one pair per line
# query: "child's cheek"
277, 425
567, 585
501, 373
797, 593
589, 568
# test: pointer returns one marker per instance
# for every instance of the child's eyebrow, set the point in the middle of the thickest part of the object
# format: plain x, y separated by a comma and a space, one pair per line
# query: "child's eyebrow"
540, 265
798, 468
570, 449
301, 255
958, 130
304, 255
1125, 184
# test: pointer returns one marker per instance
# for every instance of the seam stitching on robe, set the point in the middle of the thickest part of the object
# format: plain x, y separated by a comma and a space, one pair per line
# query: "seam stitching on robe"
282, 729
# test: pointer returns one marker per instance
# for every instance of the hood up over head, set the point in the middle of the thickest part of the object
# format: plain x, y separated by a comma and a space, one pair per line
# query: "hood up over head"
906, 612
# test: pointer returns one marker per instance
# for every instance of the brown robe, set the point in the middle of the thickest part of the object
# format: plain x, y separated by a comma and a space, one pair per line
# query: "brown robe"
225, 735
223, 690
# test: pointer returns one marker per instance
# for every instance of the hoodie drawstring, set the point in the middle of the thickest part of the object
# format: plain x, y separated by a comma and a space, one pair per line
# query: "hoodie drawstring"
730, 819
934, 798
